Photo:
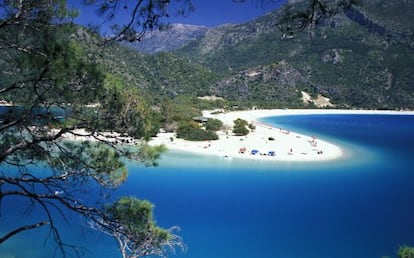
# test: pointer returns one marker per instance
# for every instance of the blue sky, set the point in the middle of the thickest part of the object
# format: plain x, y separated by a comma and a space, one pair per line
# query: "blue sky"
209, 13
212, 13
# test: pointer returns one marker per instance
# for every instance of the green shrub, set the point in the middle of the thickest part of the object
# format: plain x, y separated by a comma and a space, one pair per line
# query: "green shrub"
406, 252
213, 124
192, 131
240, 127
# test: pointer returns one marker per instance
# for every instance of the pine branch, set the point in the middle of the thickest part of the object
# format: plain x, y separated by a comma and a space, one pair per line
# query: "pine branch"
23, 228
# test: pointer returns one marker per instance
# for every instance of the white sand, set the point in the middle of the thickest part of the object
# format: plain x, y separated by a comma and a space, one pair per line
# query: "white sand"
288, 146
109, 137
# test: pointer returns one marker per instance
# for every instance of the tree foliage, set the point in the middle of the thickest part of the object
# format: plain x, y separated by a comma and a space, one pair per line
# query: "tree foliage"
405, 252
240, 127
134, 115
192, 131
134, 227
214, 124
299, 15
58, 91
302, 14
141, 16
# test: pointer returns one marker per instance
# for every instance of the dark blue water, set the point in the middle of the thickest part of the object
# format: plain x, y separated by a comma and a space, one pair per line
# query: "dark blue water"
359, 206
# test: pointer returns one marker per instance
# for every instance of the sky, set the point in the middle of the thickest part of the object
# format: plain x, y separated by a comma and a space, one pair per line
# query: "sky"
210, 13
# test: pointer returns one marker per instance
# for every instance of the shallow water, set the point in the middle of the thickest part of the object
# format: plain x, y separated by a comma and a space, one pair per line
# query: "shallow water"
358, 206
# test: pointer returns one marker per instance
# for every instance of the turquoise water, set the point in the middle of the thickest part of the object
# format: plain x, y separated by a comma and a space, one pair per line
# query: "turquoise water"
361, 205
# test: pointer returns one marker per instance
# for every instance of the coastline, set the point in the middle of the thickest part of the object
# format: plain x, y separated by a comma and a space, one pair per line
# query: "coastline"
264, 140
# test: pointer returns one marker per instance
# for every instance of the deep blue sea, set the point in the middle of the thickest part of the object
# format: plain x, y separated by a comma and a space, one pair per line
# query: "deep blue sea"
359, 206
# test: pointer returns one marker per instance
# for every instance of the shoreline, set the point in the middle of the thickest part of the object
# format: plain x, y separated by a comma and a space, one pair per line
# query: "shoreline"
265, 140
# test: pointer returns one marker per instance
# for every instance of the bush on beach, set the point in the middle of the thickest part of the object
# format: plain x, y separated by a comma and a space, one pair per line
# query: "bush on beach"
192, 131
213, 124
240, 127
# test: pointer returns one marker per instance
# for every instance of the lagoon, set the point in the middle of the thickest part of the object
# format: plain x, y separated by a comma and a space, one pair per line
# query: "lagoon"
360, 205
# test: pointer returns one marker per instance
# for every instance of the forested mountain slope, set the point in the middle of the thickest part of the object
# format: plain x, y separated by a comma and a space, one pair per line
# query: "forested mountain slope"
164, 74
171, 38
363, 58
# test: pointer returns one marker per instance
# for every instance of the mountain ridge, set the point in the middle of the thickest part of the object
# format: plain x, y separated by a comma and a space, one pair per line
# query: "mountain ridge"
347, 60
172, 37
352, 63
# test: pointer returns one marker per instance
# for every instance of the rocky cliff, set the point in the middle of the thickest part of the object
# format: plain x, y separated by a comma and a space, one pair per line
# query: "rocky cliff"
172, 37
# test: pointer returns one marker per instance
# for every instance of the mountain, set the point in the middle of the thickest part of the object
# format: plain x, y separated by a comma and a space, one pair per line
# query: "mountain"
224, 48
163, 74
362, 58
272, 83
172, 37
395, 16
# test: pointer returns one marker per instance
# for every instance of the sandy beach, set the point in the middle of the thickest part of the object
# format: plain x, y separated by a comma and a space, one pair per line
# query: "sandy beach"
266, 142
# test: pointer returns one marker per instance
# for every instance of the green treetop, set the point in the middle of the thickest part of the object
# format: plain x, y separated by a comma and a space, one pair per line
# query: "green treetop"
240, 127
59, 91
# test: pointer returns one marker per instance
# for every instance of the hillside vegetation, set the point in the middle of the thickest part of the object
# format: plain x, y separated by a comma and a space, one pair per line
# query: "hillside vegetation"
363, 59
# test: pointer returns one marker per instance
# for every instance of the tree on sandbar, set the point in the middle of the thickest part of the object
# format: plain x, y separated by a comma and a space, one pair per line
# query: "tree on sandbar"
240, 127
